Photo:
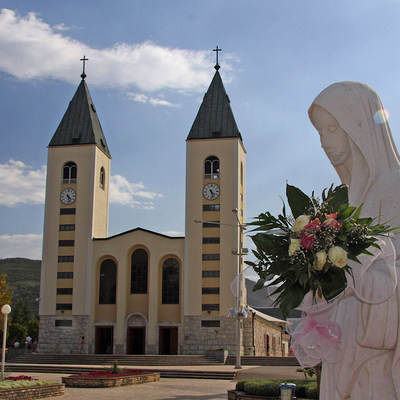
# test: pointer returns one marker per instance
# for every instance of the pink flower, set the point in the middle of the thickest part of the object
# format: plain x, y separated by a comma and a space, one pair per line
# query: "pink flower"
332, 222
307, 241
312, 227
331, 216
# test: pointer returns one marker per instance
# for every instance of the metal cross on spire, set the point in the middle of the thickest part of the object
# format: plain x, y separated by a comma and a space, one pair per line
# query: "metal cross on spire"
84, 59
217, 66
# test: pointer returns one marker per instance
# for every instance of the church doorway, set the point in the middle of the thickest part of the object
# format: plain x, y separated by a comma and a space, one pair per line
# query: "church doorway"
168, 340
104, 340
135, 340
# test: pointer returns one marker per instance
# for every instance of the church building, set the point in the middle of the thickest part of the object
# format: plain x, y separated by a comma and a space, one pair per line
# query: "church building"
142, 292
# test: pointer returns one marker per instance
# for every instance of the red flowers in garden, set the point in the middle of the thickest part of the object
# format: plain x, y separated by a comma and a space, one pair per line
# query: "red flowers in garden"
21, 378
109, 374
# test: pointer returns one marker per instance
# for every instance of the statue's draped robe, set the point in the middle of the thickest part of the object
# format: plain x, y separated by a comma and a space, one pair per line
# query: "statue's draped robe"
367, 365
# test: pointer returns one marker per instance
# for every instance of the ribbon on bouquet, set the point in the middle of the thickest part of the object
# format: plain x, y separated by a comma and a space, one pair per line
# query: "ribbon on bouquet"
315, 341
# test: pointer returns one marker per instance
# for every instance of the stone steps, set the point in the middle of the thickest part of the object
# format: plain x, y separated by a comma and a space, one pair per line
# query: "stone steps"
109, 359
265, 361
65, 369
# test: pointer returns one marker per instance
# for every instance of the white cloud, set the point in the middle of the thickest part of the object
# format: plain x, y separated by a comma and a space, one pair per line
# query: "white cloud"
26, 245
133, 195
20, 184
142, 98
61, 27
23, 185
32, 49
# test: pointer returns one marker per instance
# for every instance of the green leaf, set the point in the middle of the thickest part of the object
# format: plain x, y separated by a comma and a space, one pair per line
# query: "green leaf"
290, 298
259, 285
357, 213
299, 202
303, 279
338, 196
345, 212
334, 283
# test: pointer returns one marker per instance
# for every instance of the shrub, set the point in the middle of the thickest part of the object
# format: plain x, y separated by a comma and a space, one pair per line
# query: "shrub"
306, 389
262, 388
311, 391
115, 368
240, 385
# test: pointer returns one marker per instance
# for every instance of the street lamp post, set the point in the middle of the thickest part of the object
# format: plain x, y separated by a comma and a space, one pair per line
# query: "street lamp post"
239, 291
6, 309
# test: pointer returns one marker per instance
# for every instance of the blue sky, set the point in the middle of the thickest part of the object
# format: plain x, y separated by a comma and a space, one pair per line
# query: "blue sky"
150, 63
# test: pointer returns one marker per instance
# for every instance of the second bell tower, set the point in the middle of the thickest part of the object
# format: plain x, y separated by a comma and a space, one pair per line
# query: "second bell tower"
215, 185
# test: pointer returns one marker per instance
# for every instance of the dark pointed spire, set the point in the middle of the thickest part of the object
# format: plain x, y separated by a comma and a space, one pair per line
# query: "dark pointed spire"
80, 124
215, 118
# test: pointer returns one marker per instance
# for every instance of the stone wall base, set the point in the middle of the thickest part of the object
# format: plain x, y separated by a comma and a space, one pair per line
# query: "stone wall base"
33, 392
85, 382
198, 337
58, 334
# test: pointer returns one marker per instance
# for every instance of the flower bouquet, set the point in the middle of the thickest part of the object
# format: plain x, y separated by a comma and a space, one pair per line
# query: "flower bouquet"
309, 249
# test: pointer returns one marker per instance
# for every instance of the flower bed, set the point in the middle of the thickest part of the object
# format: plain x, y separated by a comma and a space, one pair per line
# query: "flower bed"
109, 379
27, 388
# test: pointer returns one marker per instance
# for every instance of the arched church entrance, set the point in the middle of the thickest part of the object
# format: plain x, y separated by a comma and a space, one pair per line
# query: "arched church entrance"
136, 334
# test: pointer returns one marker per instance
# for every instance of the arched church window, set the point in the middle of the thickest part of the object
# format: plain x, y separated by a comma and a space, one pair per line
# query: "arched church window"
102, 177
139, 271
108, 282
170, 281
69, 172
211, 168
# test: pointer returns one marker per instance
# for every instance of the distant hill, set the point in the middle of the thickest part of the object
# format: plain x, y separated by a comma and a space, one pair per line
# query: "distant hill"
23, 278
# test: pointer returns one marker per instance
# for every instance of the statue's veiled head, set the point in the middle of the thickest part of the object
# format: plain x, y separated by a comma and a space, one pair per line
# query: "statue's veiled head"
354, 134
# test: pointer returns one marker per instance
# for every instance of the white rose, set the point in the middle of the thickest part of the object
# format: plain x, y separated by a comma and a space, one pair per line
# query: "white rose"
294, 246
300, 222
320, 260
338, 256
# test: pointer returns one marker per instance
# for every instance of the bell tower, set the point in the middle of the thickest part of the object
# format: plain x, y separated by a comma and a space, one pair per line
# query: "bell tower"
215, 185
76, 210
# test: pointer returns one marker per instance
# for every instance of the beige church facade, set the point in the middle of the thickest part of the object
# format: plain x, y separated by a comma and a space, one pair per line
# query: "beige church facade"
142, 292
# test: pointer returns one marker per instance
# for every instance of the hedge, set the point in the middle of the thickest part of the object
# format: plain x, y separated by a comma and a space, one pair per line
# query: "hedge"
306, 389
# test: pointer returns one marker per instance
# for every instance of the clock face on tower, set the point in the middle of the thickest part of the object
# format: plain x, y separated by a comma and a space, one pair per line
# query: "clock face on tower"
68, 196
211, 191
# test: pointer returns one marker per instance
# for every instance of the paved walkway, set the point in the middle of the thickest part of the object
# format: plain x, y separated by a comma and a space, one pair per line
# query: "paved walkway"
173, 389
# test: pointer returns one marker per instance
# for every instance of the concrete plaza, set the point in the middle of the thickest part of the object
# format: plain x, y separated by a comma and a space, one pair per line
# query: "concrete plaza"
172, 389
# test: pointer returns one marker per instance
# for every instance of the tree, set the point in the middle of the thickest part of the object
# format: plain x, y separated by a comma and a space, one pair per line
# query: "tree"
22, 312
5, 291
33, 328
18, 332
5, 298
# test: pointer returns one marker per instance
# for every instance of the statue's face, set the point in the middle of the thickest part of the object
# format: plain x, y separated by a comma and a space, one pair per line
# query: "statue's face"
334, 139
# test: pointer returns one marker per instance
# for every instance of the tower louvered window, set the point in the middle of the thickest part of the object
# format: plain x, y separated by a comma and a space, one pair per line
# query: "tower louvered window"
211, 168
69, 172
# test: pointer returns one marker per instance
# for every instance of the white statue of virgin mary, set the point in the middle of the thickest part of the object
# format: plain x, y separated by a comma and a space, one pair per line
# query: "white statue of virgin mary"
356, 137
